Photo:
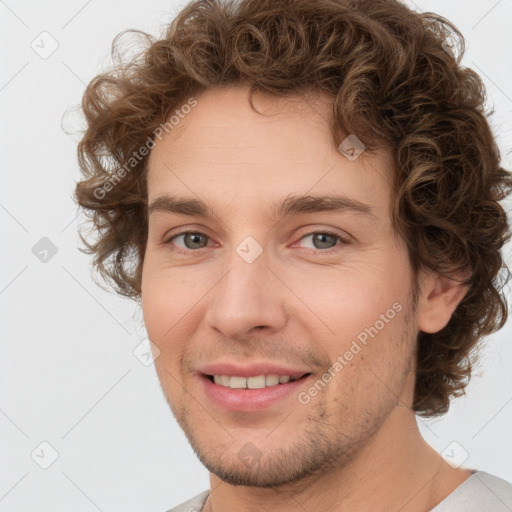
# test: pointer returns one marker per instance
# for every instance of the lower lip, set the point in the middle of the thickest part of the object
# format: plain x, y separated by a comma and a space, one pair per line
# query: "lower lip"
247, 400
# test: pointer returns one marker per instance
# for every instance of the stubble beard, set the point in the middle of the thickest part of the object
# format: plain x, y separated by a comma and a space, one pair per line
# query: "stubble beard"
322, 446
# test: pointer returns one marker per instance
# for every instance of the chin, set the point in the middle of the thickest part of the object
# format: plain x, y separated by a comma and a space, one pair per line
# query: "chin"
260, 461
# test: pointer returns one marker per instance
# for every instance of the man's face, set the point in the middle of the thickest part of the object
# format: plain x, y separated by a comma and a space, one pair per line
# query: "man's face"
262, 293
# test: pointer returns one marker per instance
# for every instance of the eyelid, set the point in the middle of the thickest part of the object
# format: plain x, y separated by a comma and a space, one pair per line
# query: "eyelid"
344, 240
168, 238
182, 230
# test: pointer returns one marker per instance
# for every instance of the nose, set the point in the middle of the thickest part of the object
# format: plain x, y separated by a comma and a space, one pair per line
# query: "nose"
248, 299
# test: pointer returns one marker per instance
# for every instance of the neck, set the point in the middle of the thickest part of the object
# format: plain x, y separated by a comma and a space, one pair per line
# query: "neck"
396, 470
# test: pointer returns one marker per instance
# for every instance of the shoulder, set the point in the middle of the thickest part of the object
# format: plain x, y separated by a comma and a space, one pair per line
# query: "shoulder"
481, 492
193, 505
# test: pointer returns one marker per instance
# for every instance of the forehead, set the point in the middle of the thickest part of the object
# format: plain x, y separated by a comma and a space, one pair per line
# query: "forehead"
223, 150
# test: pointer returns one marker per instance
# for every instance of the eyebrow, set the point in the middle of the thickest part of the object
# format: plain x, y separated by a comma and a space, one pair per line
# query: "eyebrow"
289, 206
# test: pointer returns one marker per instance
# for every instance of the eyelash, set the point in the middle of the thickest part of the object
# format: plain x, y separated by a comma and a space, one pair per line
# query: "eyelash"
315, 251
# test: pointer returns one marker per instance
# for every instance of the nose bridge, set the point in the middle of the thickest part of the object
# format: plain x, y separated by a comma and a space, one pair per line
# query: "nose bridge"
248, 295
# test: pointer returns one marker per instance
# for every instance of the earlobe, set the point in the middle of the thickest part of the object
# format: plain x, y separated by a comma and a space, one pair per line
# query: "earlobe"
439, 297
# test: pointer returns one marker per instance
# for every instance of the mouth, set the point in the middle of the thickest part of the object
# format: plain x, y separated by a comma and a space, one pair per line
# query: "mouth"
252, 393
255, 381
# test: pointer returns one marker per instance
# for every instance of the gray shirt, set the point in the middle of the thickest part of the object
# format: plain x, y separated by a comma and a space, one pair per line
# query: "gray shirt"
481, 492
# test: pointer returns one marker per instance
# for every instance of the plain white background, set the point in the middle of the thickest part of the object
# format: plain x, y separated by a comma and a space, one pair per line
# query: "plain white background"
68, 375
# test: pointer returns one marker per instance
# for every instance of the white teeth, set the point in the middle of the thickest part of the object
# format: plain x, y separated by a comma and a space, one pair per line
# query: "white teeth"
237, 382
224, 380
271, 380
256, 382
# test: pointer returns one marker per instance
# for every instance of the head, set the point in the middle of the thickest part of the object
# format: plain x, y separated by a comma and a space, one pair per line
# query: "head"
371, 270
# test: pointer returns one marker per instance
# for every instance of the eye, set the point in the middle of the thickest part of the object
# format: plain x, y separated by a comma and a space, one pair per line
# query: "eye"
190, 240
324, 241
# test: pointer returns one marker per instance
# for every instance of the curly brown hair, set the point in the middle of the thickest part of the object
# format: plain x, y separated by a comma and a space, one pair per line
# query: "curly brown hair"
393, 81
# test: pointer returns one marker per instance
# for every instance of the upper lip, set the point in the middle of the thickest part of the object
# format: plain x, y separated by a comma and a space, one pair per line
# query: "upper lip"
251, 370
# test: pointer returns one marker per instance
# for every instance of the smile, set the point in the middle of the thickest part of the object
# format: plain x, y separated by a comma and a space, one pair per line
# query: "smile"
234, 393
255, 382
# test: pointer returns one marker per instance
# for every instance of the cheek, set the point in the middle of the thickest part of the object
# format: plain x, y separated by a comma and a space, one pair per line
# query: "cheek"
346, 302
168, 316
162, 310
171, 298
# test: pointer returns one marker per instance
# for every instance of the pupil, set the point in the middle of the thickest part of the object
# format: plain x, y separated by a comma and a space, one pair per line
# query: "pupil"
321, 238
195, 239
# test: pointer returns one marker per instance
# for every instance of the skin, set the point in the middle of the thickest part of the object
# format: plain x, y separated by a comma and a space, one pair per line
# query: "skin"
355, 445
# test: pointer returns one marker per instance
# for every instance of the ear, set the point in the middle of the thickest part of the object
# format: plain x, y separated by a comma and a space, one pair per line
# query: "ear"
439, 297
